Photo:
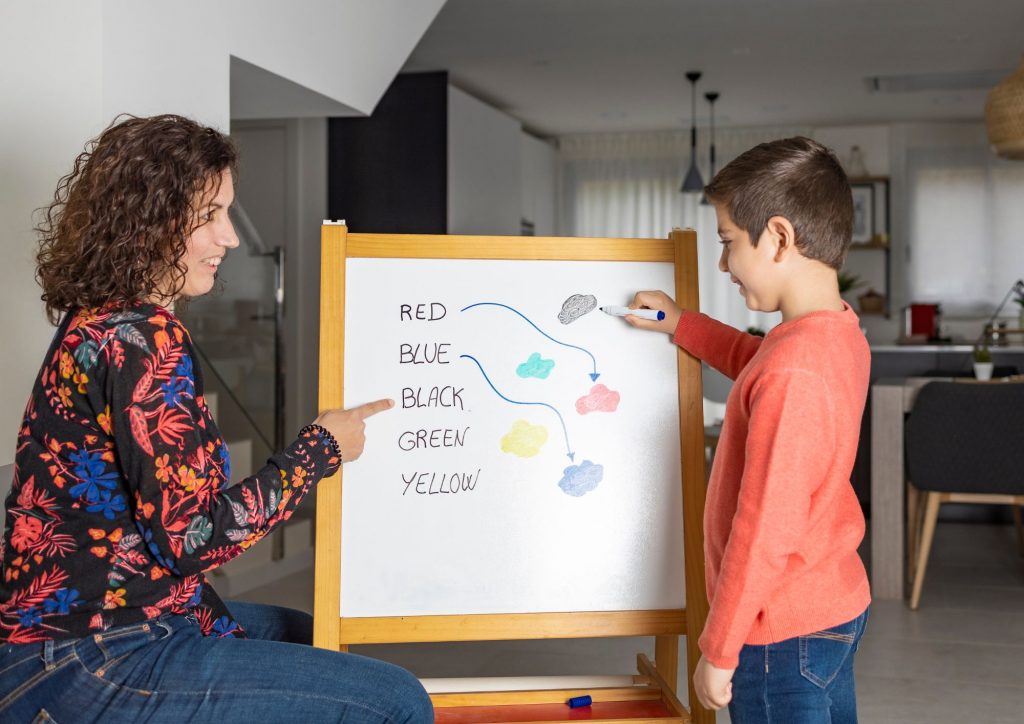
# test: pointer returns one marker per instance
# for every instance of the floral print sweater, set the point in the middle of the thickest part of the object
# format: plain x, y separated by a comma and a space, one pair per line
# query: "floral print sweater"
122, 495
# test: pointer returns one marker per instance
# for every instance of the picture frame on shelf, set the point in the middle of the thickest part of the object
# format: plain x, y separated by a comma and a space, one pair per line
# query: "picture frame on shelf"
864, 229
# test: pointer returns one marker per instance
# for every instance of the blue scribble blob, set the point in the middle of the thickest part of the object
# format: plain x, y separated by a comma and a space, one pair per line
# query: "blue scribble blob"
581, 479
536, 367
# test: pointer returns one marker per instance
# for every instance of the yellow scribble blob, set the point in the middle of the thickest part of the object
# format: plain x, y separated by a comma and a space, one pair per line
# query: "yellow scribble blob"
524, 439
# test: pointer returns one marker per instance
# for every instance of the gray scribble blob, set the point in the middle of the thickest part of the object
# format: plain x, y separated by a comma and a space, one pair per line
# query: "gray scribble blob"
576, 306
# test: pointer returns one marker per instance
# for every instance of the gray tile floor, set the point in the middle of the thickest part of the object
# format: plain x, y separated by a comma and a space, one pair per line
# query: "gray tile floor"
959, 658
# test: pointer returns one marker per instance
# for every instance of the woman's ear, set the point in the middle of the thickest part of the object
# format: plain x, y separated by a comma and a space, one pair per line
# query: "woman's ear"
783, 237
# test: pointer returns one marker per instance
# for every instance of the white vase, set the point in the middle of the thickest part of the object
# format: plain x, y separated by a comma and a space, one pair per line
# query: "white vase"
983, 370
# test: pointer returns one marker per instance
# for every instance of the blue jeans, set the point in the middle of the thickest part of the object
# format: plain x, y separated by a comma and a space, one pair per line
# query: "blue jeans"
802, 680
165, 670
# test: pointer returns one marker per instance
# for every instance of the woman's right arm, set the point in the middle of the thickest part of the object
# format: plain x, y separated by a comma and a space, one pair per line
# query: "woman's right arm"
349, 427
178, 468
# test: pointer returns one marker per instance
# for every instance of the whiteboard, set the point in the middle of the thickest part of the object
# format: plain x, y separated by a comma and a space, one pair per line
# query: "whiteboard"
503, 481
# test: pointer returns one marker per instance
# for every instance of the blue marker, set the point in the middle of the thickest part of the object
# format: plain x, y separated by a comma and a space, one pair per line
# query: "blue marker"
655, 315
577, 701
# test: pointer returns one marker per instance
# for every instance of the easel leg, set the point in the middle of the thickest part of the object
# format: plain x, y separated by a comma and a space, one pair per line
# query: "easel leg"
666, 658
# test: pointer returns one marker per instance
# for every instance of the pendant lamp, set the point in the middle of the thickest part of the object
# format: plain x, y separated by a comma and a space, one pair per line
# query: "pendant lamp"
693, 182
711, 96
1004, 116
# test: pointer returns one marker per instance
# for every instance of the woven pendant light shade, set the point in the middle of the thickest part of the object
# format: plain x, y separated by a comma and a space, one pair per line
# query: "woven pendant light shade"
1004, 116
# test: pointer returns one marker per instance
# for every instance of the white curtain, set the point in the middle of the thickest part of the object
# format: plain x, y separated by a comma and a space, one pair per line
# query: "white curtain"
966, 228
627, 185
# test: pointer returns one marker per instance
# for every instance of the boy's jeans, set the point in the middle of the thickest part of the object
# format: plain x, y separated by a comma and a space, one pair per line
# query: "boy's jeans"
802, 680
165, 670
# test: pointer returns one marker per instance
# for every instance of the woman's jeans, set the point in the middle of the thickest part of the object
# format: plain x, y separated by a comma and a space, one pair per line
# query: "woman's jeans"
803, 680
165, 670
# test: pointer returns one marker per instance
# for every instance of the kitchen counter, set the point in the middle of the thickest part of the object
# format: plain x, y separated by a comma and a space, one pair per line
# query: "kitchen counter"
933, 348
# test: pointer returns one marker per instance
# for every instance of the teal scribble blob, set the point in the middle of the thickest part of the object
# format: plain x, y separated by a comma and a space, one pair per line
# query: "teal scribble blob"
536, 367
581, 479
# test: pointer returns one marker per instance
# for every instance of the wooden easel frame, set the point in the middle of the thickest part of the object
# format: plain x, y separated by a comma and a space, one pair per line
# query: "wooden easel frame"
333, 632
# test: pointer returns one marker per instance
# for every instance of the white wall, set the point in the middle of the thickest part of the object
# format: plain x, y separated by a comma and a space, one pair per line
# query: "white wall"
259, 94
160, 57
873, 141
70, 67
484, 191
539, 173
50, 83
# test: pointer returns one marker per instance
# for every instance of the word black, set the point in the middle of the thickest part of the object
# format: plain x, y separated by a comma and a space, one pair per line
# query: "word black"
447, 396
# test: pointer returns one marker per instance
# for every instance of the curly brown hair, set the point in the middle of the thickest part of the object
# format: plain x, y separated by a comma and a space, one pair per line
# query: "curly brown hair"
120, 222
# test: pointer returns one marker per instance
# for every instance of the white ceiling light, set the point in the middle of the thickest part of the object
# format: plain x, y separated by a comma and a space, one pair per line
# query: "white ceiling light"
934, 81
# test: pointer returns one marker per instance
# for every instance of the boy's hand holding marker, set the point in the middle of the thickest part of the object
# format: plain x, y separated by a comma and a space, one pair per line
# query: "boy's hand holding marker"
656, 302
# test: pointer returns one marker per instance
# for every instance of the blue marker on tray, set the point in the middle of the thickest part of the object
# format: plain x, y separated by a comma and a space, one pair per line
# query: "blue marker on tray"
655, 315
577, 701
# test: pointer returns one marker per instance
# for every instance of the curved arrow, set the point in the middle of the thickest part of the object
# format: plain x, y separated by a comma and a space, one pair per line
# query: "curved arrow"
570, 454
593, 375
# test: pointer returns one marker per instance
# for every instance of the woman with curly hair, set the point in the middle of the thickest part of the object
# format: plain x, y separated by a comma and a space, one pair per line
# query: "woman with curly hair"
122, 497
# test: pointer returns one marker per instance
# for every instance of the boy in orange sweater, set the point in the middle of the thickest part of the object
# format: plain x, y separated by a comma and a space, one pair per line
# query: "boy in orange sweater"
788, 592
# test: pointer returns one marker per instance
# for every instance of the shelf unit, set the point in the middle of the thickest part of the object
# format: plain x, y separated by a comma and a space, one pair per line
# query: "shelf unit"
879, 239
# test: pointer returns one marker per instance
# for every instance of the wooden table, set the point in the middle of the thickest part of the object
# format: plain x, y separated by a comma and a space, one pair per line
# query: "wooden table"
891, 400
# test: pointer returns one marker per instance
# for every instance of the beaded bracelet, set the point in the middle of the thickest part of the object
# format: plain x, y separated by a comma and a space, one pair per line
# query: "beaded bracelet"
325, 434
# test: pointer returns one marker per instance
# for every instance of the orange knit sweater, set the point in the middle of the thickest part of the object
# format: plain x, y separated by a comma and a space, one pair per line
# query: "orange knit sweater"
782, 523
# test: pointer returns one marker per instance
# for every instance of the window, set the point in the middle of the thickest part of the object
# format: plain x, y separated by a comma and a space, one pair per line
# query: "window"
966, 229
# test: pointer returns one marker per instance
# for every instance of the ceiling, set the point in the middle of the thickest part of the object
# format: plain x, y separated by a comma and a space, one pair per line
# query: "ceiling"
579, 66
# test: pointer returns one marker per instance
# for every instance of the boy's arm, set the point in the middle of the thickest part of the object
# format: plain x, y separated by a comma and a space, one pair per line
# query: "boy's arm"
792, 431
723, 347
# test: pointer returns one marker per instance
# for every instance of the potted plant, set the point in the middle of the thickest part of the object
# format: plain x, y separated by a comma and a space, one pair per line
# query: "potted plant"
871, 302
848, 281
982, 363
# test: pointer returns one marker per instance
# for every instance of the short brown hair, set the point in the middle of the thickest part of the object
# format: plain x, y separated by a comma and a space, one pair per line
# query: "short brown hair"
120, 221
796, 178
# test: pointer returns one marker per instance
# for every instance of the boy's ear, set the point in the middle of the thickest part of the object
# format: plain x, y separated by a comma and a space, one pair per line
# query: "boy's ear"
783, 237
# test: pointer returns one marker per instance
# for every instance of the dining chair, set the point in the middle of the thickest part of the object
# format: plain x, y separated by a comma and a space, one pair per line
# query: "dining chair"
963, 445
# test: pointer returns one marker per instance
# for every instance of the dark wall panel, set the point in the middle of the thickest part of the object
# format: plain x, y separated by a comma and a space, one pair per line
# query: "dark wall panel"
389, 173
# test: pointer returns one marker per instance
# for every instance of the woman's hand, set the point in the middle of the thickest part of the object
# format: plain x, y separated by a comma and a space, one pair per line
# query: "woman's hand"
348, 427
660, 301
712, 685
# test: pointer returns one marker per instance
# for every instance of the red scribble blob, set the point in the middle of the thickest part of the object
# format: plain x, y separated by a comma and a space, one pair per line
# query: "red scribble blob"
600, 399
